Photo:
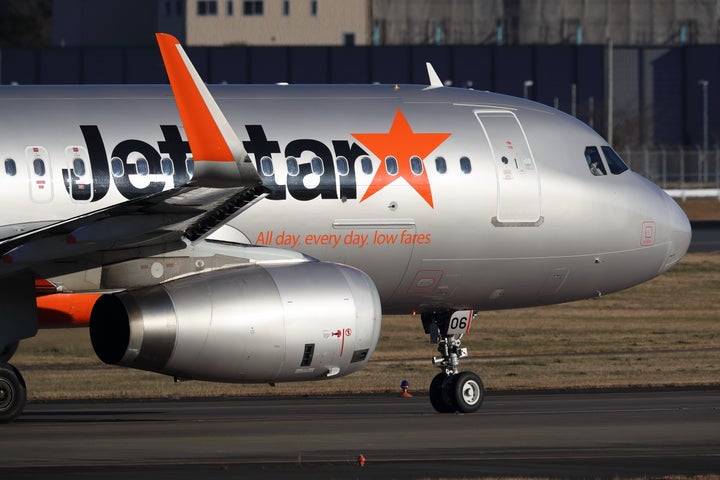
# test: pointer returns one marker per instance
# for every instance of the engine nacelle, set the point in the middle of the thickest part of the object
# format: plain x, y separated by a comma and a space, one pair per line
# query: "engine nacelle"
306, 321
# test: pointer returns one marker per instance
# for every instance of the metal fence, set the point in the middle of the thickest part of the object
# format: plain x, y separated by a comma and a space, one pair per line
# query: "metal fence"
681, 168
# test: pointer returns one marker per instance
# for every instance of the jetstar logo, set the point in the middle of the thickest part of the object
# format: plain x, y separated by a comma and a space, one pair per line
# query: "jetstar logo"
401, 145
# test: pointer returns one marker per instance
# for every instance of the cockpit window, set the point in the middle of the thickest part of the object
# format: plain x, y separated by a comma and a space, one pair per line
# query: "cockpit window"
595, 164
615, 163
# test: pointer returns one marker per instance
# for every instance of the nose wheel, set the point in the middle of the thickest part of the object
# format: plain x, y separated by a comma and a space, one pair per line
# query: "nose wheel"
452, 390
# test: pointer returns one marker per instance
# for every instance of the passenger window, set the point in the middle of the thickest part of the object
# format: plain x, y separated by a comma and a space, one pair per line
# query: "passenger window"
416, 165
316, 164
343, 167
592, 156
292, 166
78, 166
266, 166
10, 167
366, 165
116, 166
166, 166
440, 165
142, 167
39, 167
615, 163
391, 165
465, 165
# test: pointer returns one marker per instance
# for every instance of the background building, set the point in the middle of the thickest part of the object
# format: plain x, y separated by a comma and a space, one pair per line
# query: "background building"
387, 22
277, 22
524, 22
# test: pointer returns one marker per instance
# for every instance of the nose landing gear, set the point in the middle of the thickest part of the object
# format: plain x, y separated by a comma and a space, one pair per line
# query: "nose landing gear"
452, 390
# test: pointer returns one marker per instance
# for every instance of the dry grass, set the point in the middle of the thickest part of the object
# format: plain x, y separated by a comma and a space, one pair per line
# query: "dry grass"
664, 332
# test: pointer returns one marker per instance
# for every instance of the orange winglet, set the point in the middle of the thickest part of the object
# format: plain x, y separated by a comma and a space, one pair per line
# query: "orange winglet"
207, 141
63, 310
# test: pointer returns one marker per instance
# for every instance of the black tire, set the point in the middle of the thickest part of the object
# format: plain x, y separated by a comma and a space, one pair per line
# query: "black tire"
441, 397
468, 392
13, 393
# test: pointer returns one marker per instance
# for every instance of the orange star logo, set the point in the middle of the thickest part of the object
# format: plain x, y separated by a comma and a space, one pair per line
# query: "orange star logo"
402, 143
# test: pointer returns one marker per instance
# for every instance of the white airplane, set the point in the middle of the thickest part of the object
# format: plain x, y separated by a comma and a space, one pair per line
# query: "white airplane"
261, 248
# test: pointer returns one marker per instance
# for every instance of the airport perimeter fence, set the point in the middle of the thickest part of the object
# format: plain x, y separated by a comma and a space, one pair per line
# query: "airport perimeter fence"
689, 170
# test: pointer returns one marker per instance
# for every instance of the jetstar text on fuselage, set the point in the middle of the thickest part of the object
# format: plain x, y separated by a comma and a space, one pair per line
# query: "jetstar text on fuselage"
122, 166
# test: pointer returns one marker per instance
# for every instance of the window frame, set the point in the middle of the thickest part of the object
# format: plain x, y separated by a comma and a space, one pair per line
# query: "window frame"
292, 165
10, 167
391, 166
366, 165
415, 160
441, 165
317, 166
253, 8
79, 172
342, 165
617, 165
39, 167
266, 166
207, 8
590, 158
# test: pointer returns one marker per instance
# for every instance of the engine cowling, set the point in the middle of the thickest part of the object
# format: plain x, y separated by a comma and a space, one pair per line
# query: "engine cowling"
306, 321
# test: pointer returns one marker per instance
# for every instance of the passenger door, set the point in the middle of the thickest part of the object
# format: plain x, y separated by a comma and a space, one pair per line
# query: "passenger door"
518, 185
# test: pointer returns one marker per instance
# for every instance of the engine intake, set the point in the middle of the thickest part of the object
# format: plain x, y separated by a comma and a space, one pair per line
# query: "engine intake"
246, 325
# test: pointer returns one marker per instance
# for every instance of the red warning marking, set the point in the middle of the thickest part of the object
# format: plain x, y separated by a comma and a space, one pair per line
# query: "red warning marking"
648, 234
342, 334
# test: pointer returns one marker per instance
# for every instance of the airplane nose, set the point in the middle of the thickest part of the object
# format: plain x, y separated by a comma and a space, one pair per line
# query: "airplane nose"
680, 233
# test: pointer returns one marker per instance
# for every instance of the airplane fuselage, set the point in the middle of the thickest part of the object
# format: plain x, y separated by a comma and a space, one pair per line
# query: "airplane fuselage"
499, 186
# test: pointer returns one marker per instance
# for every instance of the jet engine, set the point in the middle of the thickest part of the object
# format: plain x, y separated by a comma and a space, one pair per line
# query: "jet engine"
258, 324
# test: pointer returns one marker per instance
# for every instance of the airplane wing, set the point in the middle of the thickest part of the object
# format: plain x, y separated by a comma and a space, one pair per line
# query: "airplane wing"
224, 183
141, 227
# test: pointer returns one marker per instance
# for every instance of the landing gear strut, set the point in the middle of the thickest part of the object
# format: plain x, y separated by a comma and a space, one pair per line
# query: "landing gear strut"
452, 390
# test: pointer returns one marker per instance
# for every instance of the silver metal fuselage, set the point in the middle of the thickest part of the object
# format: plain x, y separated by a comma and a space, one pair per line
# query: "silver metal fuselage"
535, 228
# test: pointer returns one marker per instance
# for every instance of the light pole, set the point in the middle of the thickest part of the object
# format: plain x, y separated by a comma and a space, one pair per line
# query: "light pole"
526, 85
704, 85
